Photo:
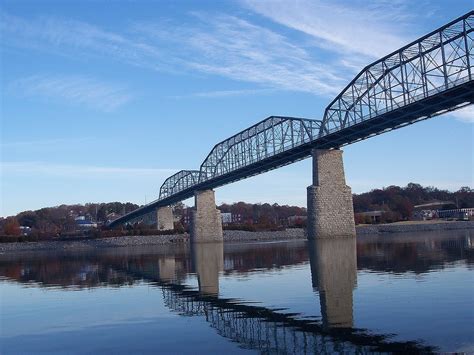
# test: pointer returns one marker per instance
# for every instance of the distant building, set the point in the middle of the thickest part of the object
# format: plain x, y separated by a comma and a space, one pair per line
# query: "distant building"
226, 217
25, 230
83, 223
186, 217
458, 213
375, 216
434, 205
428, 211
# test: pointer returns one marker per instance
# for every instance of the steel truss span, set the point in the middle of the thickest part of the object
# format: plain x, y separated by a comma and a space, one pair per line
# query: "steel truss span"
435, 63
180, 181
430, 76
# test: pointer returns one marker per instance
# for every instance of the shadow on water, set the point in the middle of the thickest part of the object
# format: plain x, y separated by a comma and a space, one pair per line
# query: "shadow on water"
333, 263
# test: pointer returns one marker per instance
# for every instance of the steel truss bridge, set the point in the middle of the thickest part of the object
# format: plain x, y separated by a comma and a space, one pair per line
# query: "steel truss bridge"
428, 77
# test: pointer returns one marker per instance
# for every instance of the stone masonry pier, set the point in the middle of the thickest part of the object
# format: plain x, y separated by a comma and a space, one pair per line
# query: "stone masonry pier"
206, 225
330, 209
164, 218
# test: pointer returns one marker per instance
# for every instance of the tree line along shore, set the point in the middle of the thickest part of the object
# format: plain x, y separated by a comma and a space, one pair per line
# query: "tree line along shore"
380, 206
394, 230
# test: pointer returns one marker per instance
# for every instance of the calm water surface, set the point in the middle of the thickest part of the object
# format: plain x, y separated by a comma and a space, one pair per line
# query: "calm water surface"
410, 293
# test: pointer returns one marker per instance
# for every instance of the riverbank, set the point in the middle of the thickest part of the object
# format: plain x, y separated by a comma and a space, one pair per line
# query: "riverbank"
414, 226
230, 236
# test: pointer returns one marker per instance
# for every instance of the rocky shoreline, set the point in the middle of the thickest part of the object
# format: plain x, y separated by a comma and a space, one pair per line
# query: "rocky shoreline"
230, 236
414, 227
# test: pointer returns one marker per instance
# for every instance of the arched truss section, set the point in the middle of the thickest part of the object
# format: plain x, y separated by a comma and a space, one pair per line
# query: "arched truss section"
178, 182
430, 65
266, 139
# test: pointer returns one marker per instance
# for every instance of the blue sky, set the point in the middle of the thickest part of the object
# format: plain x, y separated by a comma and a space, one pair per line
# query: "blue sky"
102, 100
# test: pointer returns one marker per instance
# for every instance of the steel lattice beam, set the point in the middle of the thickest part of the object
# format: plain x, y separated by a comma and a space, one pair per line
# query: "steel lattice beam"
441, 60
178, 182
264, 140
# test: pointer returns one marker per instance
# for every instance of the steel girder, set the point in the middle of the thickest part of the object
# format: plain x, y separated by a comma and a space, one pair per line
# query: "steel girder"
441, 60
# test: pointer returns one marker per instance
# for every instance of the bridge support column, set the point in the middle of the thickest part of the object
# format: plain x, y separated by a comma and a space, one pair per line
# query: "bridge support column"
206, 225
164, 218
330, 209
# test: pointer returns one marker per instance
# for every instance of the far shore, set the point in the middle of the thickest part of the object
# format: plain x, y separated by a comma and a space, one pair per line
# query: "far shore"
232, 236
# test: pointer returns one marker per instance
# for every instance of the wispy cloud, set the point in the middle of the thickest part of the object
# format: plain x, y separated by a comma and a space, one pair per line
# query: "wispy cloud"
372, 30
338, 40
465, 114
79, 171
238, 49
215, 44
81, 39
74, 89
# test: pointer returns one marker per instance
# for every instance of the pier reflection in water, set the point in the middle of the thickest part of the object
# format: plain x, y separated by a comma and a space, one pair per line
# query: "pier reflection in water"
332, 273
208, 263
334, 276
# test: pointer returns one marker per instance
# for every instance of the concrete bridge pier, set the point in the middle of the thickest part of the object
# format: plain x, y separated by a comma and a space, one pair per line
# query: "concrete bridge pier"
334, 276
164, 218
330, 209
208, 262
206, 225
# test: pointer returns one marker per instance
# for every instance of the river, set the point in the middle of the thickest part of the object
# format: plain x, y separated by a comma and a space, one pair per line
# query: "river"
390, 293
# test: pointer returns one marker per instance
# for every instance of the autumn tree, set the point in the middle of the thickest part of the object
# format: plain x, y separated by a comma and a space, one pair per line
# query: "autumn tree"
12, 227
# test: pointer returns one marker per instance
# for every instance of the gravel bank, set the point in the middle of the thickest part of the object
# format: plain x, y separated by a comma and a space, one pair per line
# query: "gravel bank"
229, 236
96, 243
243, 236
414, 227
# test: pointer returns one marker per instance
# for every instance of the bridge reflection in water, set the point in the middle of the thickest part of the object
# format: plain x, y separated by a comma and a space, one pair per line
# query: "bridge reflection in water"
271, 331
333, 265
333, 273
